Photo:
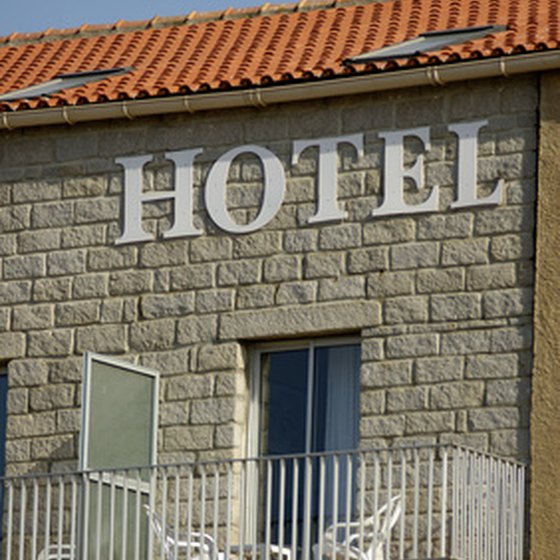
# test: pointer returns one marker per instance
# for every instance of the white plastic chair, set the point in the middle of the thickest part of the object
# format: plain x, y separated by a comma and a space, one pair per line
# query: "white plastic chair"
374, 532
202, 546
56, 552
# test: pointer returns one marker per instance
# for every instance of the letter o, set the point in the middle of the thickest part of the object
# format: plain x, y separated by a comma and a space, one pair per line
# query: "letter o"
273, 193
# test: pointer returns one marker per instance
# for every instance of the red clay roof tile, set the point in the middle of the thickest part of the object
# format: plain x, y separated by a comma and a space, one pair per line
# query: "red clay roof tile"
270, 44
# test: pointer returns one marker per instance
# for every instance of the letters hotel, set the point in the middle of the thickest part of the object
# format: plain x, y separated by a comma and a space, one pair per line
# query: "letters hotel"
282, 282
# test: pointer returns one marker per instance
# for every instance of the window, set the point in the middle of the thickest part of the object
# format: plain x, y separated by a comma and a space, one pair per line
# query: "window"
305, 399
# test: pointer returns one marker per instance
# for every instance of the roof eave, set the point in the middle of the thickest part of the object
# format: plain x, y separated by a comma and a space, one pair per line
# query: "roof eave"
438, 75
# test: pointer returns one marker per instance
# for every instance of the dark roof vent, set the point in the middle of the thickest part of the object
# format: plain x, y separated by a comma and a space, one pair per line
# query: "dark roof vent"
63, 81
426, 42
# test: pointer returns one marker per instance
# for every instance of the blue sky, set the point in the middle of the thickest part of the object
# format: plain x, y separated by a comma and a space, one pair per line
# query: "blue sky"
37, 15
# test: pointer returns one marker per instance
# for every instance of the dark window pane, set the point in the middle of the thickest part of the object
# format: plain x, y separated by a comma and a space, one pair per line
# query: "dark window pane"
287, 402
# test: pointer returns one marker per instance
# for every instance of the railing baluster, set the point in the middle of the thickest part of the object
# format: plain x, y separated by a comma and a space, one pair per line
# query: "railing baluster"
112, 515
176, 500
22, 501
429, 540
416, 514
190, 486
308, 484
282, 504
216, 509
321, 528
295, 496
164, 521
73, 520
138, 509
444, 490
336, 475
60, 534
403, 503
48, 510
124, 516
348, 504
376, 486
229, 469
363, 467
10, 522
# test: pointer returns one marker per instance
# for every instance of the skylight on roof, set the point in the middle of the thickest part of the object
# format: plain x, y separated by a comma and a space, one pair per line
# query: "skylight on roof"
63, 81
426, 42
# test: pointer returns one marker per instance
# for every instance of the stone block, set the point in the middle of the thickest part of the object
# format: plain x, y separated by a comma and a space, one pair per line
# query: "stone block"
52, 397
18, 401
207, 249
286, 321
36, 191
382, 426
253, 297
18, 451
386, 284
388, 231
69, 420
440, 280
372, 402
37, 241
109, 339
78, 187
97, 210
386, 374
239, 272
259, 244
66, 370
51, 289
455, 307
339, 237
83, 236
345, 287
301, 241
31, 425
152, 335
133, 282
460, 394
406, 310
415, 255
27, 373
445, 226
282, 268
87, 286
228, 437
504, 220
215, 357
465, 251
212, 301
512, 247
81, 313
173, 414
296, 292
489, 419
508, 303
193, 276
368, 260
429, 422
197, 329
511, 339
15, 292
30, 317
188, 437
322, 265
491, 277
63, 263
438, 370
213, 411
15, 218
112, 258
509, 392
409, 398
50, 343
511, 443
52, 214
166, 305
492, 366
466, 342
22, 267
412, 345
188, 387
163, 253
55, 447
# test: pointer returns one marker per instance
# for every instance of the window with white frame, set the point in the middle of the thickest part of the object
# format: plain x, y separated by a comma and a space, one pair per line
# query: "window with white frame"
305, 400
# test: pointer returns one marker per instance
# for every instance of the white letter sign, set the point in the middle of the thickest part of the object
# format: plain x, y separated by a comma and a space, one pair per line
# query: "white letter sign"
467, 167
327, 203
134, 197
393, 201
273, 189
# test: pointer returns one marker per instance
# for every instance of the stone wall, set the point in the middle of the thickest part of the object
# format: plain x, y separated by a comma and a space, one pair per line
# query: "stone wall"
443, 301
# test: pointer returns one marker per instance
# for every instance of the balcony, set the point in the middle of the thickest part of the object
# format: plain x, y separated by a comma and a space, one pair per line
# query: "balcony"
428, 502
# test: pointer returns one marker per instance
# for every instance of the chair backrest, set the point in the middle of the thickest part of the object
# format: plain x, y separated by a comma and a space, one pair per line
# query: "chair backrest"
56, 552
391, 513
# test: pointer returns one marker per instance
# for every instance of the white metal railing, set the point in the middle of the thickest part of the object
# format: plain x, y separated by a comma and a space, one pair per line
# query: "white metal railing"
403, 503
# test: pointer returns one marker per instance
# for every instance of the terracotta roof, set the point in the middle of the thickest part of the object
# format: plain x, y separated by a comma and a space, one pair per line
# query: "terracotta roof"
272, 44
